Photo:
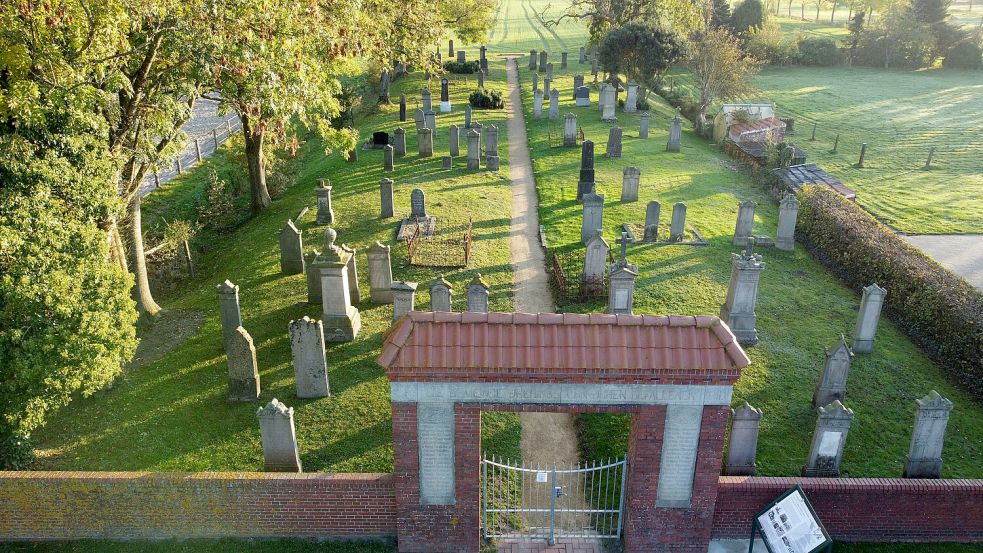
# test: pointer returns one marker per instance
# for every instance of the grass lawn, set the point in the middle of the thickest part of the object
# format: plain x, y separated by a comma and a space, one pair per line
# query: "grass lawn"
801, 307
171, 414
519, 28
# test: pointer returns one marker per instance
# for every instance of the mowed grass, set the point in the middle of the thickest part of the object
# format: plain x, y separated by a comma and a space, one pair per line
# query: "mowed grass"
801, 308
173, 415
519, 27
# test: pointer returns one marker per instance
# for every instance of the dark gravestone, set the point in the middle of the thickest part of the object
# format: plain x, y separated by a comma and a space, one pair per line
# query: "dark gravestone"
586, 183
444, 92
380, 138
402, 107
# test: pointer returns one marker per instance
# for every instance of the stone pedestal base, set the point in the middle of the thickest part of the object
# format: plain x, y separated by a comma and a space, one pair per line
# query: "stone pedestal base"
785, 244
742, 325
491, 163
583, 102
922, 468
473, 164
342, 328
740, 470
445, 107
863, 346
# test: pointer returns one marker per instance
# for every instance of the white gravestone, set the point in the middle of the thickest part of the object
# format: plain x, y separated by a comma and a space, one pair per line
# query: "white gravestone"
477, 292
828, 441
441, 295
630, 178
788, 212
745, 221
742, 295
279, 437
243, 371
380, 273
742, 449
404, 298
924, 458
836, 370
310, 363
868, 318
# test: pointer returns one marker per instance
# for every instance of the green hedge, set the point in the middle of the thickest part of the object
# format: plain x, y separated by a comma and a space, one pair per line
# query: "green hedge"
938, 310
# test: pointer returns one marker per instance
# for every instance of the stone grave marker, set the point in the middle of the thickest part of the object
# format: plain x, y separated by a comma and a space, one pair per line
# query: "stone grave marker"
788, 212
243, 371
310, 363
868, 318
582, 97
652, 213
543, 59
380, 273
631, 98
424, 140
279, 438
828, 440
404, 298
547, 88
325, 215
427, 100
386, 198
387, 158
462, 56
313, 278
430, 119
593, 216
630, 178
228, 310
532, 60
445, 96
677, 226
742, 295
621, 282
595, 264
924, 459
745, 220
491, 148
402, 108
419, 119
455, 141
583, 55
675, 133
341, 320
643, 125
481, 79
586, 183
467, 116
570, 130
291, 250
607, 103
578, 81
477, 292
554, 104
450, 48
614, 143
441, 295
741, 453
832, 381
474, 150
537, 104
400, 146
535, 82
447, 162
549, 71
418, 204
563, 60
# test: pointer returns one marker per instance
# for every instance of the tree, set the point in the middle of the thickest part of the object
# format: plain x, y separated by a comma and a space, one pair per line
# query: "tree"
719, 13
604, 15
856, 28
935, 14
643, 53
720, 68
747, 15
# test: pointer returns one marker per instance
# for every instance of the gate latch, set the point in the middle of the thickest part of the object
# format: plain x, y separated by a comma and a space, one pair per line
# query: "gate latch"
558, 491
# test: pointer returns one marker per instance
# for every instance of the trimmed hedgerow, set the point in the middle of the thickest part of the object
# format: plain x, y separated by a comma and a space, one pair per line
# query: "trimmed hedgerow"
938, 310
485, 98
462, 68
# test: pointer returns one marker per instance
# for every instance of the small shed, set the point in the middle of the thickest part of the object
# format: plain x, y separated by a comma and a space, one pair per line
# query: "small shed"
809, 173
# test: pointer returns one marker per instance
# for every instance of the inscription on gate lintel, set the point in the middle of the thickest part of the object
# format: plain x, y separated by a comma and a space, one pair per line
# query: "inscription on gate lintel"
579, 394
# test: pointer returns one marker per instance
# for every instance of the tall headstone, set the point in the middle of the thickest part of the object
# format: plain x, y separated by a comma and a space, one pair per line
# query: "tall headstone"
788, 212
867, 318
430, 120
386, 199
535, 82
445, 96
832, 382
313, 275
828, 440
742, 295
631, 99
477, 292
741, 453
578, 81
462, 56
532, 60
291, 250
652, 212
353, 292
586, 183
621, 282
467, 116
325, 215
607, 103
547, 88
387, 158
675, 133
570, 130
481, 79
228, 309
450, 48
474, 150
643, 125
563, 60
418, 204
554, 104
543, 60
427, 100
400, 146
424, 141
419, 119
745, 221
455, 141
614, 143
310, 363
593, 218
341, 320
491, 148
594, 68
595, 264
582, 97
279, 438
549, 71
583, 55
402, 108
537, 103
404, 298
630, 178
677, 225
243, 371
380, 273
924, 458
441, 295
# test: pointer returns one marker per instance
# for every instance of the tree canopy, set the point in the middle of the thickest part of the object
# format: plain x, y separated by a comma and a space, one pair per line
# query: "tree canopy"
721, 69
642, 52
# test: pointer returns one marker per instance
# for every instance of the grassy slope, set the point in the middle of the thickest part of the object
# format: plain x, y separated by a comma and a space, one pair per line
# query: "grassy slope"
172, 414
801, 307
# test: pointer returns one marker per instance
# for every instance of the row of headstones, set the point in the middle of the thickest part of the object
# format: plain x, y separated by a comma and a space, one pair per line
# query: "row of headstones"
924, 459
586, 181
425, 146
462, 56
542, 60
592, 217
788, 212
426, 117
441, 296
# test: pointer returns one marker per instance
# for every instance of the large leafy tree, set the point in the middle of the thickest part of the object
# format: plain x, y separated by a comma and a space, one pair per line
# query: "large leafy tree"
721, 69
603, 15
642, 52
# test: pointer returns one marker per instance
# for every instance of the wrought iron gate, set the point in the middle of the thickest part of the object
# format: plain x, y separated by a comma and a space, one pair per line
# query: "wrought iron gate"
585, 501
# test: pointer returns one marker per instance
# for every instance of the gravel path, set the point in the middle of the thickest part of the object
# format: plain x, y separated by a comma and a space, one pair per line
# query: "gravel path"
960, 253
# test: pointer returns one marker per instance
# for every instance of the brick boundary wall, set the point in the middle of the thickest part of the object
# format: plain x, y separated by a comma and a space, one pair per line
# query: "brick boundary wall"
862, 509
141, 505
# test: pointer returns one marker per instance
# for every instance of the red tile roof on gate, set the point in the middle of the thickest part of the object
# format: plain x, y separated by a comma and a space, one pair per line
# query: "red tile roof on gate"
425, 343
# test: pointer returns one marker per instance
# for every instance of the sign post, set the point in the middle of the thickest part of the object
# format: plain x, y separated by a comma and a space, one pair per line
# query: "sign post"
789, 525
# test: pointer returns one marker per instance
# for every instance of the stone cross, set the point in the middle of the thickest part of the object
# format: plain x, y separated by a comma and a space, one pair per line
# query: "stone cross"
677, 226
741, 453
243, 371
341, 320
441, 295
386, 198
643, 125
380, 273
614, 143
630, 178
631, 99
402, 108
652, 213
867, 318
387, 158
828, 440
477, 294
623, 242
537, 103
474, 150
228, 310
924, 458
532, 60
593, 217
582, 96
586, 183
404, 298
445, 96
400, 146
554, 104
595, 264
675, 133
279, 438
832, 382
455, 141
788, 211
424, 140
621, 288
427, 100
291, 250
491, 148
313, 278
742, 295
325, 215
310, 363
563, 60
570, 130
745, 220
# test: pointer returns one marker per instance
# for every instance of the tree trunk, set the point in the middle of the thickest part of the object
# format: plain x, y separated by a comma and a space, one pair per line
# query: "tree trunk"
790, 9
257, 169
849, 15
117, 251
832, 16
817, 12
145, 299
802, 10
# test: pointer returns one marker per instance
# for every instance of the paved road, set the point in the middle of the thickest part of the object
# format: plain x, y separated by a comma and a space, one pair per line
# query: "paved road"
960, 253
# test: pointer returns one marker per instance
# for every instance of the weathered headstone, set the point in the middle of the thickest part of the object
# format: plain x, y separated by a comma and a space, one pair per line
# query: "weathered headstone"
547, 88
675, 133
532, 60
450, 48
445, 96
402, 108
543, 60
742, 295
583, 55
570, 130
482, 53
643, 125
607, 103
745, 221
462, 56
404, 298
549, 71
595, 264
310, 363
578, 81
447, 162
537, 103
291, 250
380, 273
467, 116
741, 453
325, 215
424, 141
354, 294
554, 104
563, 60
621, 282
279, 438
419, 119
386, 198
631, 98
441, 295
867, 318
535, 82
243, 371
828, 440
586, 183
387, 158
924, 458
630, 178
455, 141
430, 119
313, 275
614, 143
677, 226
481, 79
582, 97
418, 203
594, 66
400, 146
474, 150
652, 212
228, 309
593, 215
340, 318
788, 212
491, 148
427, 100
836, 370
477, 292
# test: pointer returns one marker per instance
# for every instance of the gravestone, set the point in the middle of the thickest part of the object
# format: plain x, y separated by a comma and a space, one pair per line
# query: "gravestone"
582, 97
418, 204
532, 60
427, 100
450, 48
481, 79
570, 130
675, 133
310, 363
386, 198
745, 220
441, 295
535, 82
549, 71
419, 119
643, 125
828, 440
291, 250
741, 453
537, 104
341, 320
279, 438
402, 108
742, 295
325, 215
621, 282
380, 273
631, 98
482, 69
404, 298
832, 381
593, 216
554, 104
313, 278
547, 88
867, 318
380, 139
788, 212
477, 292
482, 53
595, 264
424, 141
563, 60
543, 60
467, 116
353, 292
677, 226
445, 96
607, 103
924, 458
652, 212
447, 162
430, 119
630, 178
474, 150
387, 158
455, 141
583, 55
462, 56
228, 310
586, 183
491, 148
400, 146
614, 143
578, 81
243, 371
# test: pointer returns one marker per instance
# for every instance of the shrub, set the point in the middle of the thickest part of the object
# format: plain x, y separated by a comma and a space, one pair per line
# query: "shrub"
938, 310
465, 68
748, 15
484, 98
768, 44
820, 51
965, 55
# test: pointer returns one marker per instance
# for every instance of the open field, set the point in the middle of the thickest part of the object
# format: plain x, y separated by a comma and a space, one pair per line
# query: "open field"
519, 28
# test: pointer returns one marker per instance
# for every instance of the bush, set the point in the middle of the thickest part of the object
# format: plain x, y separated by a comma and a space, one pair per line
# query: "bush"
820, 50
938, 310
749, 14
465, 68
965, 55
768, 44
484, 98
